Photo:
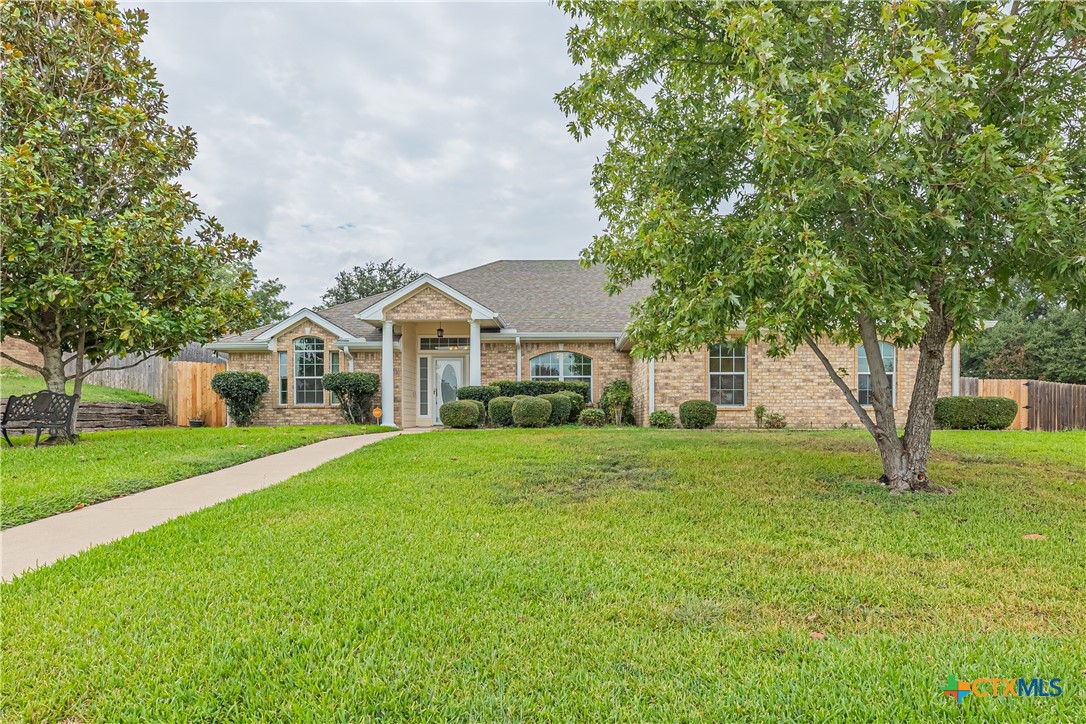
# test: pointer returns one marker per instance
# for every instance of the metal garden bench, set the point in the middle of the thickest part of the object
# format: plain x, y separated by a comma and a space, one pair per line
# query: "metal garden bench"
43, 410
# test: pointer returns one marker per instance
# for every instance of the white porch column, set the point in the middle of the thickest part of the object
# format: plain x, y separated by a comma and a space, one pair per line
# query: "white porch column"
955, 369
652, 385
388, 376
475, 362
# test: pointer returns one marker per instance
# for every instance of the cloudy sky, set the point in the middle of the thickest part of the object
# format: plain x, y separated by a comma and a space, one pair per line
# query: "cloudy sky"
339, 133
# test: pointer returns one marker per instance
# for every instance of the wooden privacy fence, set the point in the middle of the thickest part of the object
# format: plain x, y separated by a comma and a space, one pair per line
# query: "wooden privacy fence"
1048, 406
184, 387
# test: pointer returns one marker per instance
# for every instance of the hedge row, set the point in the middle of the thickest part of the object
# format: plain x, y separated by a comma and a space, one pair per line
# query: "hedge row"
975, 413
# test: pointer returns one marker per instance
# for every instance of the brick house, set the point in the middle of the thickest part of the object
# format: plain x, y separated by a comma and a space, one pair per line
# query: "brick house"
519, 320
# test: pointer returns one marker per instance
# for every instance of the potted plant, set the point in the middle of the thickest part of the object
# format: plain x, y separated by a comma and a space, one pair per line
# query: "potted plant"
196, 422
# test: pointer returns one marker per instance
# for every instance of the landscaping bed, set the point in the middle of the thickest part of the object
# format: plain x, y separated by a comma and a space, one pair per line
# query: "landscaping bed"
576, 574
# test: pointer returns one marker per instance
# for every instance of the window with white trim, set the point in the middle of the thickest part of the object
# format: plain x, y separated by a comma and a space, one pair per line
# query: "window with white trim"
424, 386
562, 366
284, 379
308, 371
863, 372
728, 374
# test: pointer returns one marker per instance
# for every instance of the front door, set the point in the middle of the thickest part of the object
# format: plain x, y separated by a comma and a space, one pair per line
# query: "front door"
448, 372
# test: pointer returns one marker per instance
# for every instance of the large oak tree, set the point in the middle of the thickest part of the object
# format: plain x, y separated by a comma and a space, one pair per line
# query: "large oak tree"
104, 252
836, 172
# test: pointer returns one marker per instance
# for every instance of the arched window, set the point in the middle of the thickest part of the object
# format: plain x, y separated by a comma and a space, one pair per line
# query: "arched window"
308, 370
563, 366
863, 369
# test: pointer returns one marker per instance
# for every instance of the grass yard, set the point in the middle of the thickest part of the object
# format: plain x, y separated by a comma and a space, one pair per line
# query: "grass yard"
35, 483
580, 575
14, 382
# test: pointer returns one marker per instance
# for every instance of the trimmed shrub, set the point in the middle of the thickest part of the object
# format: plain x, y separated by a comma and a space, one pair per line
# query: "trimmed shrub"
482, 410
482, 393
662, 419
560, 408
535, 388
775, 421
576, 404
500, 410
242, 392
522, 397
531, 412
617, 402
460, 413
592, 417
355, 391
697, 414
975, 413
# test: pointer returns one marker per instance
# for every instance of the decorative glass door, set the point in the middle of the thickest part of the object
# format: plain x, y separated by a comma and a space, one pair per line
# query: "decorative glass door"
447, 376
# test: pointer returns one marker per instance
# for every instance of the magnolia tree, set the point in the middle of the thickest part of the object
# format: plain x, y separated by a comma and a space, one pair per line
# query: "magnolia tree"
815, 173
104, 253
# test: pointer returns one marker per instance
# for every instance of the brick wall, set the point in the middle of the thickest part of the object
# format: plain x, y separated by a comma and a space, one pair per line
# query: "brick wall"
425, 305
20, 350
499, 361
607, 362
639, 381
797, 386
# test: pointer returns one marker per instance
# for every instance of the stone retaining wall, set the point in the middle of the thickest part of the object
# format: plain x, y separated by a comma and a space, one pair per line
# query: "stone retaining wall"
97, 416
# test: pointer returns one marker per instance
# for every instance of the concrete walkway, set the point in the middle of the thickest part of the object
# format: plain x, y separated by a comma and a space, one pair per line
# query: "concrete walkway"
46, 541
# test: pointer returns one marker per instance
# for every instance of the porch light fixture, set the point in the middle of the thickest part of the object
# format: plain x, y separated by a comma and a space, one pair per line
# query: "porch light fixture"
440, 332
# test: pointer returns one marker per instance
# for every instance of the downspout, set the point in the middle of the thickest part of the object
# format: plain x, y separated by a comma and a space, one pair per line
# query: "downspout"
956, 369
518, 358
350, 358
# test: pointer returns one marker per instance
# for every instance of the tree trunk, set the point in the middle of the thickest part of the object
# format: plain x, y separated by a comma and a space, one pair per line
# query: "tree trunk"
905, 461
53, 368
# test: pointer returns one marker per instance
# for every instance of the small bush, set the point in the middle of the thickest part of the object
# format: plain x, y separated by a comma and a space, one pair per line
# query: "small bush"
775, 421
697, 414
662, 419
500, 410
759, 415
355, 391
576, 404
242, 392
617, 402
482, 393
482, 410
531, 412
460, 413
535, 388
975, 413
522, 397
560, 407
592, 417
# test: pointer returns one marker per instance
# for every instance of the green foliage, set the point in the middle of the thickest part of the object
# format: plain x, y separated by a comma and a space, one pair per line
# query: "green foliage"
266, 297
576, 404
617, 402
482, 393
534, 388
662, 419
482, 410
531, 412
834, 171
104, 251
592, 417
460, 413
500, 411
366, 280
697, 414
355, 391
1033, 341
243, 392
560, 407
975, 413
45, 481
775, 421
759, 415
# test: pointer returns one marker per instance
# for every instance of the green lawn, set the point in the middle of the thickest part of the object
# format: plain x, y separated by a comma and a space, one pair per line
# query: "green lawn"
14, 382
580, 575
38, 482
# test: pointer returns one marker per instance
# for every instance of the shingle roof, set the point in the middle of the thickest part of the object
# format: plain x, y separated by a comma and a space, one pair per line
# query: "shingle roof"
533, 296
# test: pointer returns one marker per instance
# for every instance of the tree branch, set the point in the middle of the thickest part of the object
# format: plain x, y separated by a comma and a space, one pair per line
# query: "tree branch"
8, 357
843, 386
98, 367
